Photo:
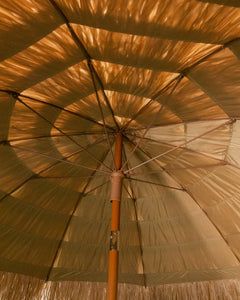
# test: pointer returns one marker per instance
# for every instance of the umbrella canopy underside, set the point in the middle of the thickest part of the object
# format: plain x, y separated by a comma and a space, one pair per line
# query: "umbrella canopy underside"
165, 73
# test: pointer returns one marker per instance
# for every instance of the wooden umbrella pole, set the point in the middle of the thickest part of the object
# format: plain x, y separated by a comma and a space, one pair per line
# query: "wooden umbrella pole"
116, 192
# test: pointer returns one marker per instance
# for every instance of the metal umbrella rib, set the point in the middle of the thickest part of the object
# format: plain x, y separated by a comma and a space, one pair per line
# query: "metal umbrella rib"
221, 161
101, 110
152, 121
81, 195
70, 138
141, 111
37, 175
16, 95
190, 194
50, 136
58, 159
176, 147
134, 199
85, 52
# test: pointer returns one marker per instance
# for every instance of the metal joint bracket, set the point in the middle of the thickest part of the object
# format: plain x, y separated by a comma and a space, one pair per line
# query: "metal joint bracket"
114, 240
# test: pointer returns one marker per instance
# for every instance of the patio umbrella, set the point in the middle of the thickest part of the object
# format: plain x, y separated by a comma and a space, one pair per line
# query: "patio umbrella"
137, 102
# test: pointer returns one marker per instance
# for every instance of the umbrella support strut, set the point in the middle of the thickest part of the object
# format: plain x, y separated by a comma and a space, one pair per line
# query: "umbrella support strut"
116, 193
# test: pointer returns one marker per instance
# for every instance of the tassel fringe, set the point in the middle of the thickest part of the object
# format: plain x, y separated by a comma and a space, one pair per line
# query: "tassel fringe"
20, 287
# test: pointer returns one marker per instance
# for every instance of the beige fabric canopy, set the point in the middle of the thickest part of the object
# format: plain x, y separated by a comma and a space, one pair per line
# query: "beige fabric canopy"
165, 73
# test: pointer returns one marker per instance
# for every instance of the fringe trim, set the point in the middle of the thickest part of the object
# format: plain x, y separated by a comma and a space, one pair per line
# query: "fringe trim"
16, 287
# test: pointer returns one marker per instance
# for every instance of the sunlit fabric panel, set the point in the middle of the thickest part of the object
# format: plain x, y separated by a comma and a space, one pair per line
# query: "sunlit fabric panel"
50, 150
158, 19
141, 51
34, 119
82, 251
220, 263
219, 78
65, 87
29, 19
72, 121
217, 135
69, 175
75, 82
218, 197
151, 172
184, 99
13, 170
94, 212
89, 107
32, 222
37, 62
58, 195
27, 158
209, 138
53, 91
84, 254
165, 215
178, 243
71, 171
189, 102
126, 108
131, 80
29, 119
